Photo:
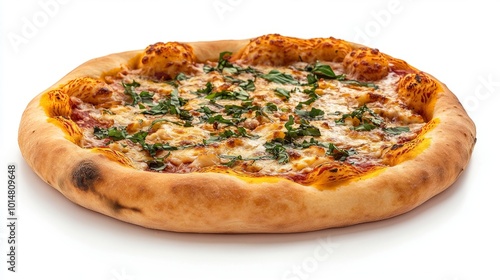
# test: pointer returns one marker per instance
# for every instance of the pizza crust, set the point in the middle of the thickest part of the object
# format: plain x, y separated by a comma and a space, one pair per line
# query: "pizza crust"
231, 203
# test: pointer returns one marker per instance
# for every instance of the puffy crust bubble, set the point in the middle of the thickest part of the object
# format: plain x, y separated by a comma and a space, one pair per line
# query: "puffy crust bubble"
366, 64
165, 61
89, 90
56, 103
277, 50
418, 90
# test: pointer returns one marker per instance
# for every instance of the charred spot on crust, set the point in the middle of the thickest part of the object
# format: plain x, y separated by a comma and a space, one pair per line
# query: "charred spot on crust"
117, 206
85, 175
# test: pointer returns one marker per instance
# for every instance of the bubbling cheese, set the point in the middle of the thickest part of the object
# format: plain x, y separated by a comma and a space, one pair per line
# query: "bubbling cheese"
258, 121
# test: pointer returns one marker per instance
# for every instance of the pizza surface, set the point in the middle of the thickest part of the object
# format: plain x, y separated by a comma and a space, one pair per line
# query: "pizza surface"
272, 134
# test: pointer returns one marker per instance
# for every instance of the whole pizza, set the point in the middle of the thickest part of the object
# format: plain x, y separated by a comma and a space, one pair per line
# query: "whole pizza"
271, 134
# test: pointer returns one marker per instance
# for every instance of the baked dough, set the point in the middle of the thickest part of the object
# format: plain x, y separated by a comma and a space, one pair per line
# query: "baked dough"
103, 180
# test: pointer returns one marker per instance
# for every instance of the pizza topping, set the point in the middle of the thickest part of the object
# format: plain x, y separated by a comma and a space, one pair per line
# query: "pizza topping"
278, 77
84, 115
291, 120
144, 97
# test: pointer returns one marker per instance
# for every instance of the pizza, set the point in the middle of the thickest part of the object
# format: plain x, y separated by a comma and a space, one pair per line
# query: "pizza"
271, 134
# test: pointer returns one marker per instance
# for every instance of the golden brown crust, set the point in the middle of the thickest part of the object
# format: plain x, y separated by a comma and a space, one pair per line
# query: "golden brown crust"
226, 202
277, 50
366, 64
166, 60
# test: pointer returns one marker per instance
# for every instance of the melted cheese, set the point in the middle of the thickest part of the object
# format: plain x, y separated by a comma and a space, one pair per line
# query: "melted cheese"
199, 132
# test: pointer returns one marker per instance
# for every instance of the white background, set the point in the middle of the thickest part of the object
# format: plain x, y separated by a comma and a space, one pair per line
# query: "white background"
454, 236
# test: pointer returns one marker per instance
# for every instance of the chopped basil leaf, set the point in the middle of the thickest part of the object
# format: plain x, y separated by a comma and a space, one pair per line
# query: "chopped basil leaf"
208, 68
170, 106
114, 133
220, 119
162, 108
281, 92
310, 114
233, 80
312, 142
139, 137
226, 134
312, 79
278, 77
338, 154
100, 133
117, 133
223, 62
144, 97
322, 70
304, 129
129, 90
176, 100
325, 71
277, 151
364, 126
313, 96
366, 123
230, 95
248, 85
270, 107
232, 160
312, 91
158, 164
357, 113
207, 89
188, 123
229, 70
236, 110
181, 77
173, 83
152, 149
223, 65
248, 70
396, 130
207, 112
157, 121
307, 102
